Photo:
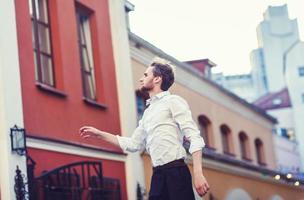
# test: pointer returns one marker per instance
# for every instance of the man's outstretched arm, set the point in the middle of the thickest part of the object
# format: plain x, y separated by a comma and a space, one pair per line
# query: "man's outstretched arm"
127, 144
88, 131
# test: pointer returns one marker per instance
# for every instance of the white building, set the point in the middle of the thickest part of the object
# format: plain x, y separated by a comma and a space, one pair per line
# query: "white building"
287, 153
277, 34
277, 65
294, 73
242, 85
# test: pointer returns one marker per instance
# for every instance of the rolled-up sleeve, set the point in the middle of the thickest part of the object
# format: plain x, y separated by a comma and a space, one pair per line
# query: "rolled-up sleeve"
133, 143
182, 115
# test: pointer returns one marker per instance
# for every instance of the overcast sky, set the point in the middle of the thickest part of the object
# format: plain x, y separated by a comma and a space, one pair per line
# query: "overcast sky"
223, 31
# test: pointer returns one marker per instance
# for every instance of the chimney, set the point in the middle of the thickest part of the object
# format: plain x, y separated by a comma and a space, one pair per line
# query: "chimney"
203, 66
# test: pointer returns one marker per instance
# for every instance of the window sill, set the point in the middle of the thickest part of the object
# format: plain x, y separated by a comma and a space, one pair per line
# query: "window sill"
94, 103
229, 154
50, 89
262, 164
210, 147
247, 159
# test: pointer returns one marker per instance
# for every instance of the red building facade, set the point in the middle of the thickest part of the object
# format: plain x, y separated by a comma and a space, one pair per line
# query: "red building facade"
67, 81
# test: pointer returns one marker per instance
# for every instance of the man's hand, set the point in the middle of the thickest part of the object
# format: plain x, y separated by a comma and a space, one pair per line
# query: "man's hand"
88, 131
201, 184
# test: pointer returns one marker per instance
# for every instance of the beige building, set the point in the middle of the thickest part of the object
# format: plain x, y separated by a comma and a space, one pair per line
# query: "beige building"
239, 160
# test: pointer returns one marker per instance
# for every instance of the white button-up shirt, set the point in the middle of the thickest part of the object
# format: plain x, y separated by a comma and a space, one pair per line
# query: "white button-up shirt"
161, 130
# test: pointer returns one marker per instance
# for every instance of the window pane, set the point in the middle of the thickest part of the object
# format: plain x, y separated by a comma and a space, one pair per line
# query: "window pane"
284, 132
243, 149
81, 30
225, 132
87, 34
225, 142
44, 39
259, 151
47, 71
259, 154
41, 10
301, 71
30, 7
33, 35
86, 65
36, 66
89, 86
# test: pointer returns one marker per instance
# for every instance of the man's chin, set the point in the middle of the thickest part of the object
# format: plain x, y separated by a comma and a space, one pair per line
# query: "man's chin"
144, 89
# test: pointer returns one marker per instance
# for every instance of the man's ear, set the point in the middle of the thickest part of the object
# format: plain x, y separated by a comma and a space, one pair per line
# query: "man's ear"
158, 79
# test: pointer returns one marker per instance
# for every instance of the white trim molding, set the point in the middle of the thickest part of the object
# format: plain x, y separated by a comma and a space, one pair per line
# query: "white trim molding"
71, 149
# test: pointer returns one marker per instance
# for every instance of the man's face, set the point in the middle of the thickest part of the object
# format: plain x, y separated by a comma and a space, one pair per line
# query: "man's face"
147, 80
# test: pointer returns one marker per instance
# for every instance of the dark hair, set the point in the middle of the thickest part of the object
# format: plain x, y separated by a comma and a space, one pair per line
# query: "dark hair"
165, 71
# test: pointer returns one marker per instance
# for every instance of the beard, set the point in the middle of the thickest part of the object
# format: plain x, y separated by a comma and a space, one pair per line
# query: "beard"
146, 89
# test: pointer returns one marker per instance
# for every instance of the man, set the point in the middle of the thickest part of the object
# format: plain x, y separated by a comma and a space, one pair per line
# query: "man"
160, 131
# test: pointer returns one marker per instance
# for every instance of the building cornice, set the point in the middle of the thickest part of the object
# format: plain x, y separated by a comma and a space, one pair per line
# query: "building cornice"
231, 165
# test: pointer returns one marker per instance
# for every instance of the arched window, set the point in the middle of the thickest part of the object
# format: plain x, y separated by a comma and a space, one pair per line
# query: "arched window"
244, 145
259, 148
206, 130
226, 139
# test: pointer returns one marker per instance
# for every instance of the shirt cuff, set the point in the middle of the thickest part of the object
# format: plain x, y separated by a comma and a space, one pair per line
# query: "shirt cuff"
122, 143
196, 145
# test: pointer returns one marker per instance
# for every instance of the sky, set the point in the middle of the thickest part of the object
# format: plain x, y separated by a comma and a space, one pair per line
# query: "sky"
223, 31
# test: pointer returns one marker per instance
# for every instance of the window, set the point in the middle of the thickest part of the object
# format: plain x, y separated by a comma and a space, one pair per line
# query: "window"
141, 105
205, 128
259, 151
86, 54
283, 132
226, 139
291, 134
141, 98
277, 101
41, 37
243, 138
301, 71
207, 71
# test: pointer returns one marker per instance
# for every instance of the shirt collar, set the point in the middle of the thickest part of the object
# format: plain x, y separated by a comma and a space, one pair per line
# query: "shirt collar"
157, 96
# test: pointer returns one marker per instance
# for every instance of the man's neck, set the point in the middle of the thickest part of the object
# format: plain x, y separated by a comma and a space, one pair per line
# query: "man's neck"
153, 93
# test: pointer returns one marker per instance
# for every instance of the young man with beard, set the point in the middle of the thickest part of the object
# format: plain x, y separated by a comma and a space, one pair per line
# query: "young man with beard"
160, 131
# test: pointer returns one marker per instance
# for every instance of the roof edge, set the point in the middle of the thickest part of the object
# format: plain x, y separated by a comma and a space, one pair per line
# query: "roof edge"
189, 68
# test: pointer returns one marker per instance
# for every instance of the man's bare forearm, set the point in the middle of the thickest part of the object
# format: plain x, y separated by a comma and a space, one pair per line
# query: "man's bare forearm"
197, 162
200, 182
108, 137
88, 131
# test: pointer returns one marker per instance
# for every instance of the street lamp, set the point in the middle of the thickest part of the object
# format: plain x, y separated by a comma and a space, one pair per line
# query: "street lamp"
18, 140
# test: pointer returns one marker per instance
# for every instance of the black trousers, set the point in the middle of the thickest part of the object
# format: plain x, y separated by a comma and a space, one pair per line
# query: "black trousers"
171, 181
